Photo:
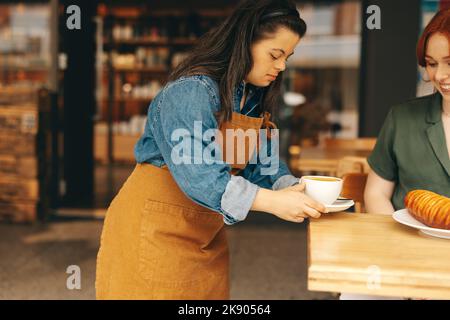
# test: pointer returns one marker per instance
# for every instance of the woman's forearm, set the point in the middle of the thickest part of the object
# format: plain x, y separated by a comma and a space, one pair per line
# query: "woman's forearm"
378, 194
378, 203
263, 200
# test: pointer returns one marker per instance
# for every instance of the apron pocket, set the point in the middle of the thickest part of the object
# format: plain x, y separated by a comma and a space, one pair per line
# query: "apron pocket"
179, 245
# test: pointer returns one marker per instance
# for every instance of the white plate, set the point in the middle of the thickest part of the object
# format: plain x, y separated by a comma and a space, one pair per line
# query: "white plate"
340, 205
404, 217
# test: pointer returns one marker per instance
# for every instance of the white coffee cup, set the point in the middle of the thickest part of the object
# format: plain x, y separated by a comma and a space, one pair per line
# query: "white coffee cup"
323, 189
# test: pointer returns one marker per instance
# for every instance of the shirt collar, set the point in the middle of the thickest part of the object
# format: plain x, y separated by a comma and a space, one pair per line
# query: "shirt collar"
252, 88
435, 108
239, 92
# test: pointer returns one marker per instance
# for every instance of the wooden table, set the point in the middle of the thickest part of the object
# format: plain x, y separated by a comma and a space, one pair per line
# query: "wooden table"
373, 254
321, 159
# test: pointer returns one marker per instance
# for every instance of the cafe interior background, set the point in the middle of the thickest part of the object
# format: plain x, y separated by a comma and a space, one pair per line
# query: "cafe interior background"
73, 103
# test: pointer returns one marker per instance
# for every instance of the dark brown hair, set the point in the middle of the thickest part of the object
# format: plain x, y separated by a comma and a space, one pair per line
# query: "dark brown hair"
224, 53
440, 23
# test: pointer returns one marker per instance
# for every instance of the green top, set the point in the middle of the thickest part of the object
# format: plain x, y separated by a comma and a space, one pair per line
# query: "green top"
411, 149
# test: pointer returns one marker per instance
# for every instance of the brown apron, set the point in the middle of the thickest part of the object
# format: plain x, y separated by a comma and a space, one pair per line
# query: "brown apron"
157, 243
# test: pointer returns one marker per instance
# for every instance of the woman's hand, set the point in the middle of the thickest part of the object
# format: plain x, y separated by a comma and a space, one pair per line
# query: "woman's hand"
290, 204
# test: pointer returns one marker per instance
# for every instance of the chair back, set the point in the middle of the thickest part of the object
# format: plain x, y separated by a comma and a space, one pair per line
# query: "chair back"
352, 164
353, 188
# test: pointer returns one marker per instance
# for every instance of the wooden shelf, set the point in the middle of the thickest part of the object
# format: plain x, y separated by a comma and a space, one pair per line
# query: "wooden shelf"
184, 41
119, 13
18, 91
139, 18
137, 41
23, 69
151, 42
137, 100
141, 69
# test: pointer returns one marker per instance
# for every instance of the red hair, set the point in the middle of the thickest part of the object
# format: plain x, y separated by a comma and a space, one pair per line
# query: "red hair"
439, 24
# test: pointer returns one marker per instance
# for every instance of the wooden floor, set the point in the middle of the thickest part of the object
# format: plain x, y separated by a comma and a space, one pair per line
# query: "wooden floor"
268, 259
268, 256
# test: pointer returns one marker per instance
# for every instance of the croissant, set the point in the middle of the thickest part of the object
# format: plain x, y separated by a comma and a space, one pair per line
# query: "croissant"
429, 208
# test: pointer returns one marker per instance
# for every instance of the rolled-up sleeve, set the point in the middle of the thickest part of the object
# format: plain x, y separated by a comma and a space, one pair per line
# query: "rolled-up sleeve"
184, 114
285, 181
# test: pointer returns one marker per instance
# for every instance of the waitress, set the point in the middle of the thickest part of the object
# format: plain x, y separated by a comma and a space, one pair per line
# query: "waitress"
164, 235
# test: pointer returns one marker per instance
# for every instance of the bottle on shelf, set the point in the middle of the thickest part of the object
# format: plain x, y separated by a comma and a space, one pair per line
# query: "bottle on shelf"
143, 58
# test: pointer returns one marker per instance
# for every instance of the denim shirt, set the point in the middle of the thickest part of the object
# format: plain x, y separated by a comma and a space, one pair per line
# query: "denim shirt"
195, 99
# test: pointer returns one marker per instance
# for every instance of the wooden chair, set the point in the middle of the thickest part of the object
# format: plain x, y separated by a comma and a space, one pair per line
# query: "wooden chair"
358, 144
353, 188
352, 164
294, 155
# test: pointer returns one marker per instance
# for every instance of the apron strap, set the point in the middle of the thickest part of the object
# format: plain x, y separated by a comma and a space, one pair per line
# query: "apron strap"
267, 124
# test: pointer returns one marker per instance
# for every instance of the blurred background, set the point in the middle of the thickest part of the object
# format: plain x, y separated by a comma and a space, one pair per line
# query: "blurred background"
73, 102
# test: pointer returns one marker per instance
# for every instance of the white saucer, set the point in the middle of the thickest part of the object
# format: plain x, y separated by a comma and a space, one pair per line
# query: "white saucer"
340, 205
404, 217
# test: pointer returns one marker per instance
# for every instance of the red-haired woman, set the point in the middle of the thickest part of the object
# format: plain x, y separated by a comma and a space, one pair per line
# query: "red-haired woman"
413, 148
